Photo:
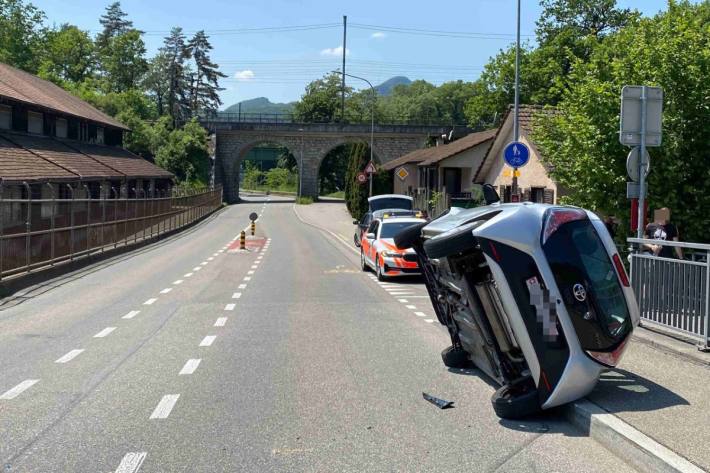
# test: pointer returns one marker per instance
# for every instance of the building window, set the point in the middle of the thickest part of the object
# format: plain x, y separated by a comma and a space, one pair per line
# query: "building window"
35, 123
100, 135
61, 126
83, 131
537, 194
5, 117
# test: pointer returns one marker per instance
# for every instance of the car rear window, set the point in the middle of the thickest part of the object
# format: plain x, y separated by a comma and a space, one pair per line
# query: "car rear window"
577, 257
390, 203
389, 230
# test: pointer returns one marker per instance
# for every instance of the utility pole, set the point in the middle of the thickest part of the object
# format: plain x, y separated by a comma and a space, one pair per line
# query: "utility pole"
642, 166
516, 123
342, 98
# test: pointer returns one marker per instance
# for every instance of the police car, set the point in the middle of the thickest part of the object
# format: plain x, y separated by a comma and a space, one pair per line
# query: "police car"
378, 251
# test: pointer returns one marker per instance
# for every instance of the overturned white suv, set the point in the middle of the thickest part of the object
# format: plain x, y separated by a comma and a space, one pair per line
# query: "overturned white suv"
534, 295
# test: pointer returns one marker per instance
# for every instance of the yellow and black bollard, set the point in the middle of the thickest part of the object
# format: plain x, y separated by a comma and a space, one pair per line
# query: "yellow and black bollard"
253, 228
243, 240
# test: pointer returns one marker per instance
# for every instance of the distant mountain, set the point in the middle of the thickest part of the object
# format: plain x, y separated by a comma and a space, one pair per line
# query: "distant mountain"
386, 87
260, 105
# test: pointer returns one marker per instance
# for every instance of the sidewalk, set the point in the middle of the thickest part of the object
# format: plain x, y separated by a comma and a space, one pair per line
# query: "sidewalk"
661, 388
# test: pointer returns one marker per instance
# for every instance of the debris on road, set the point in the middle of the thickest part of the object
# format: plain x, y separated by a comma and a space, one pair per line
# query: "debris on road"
440, 403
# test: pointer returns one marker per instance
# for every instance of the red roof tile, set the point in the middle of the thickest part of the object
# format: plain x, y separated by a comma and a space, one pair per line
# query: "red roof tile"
122, 160
17, 164
440, 153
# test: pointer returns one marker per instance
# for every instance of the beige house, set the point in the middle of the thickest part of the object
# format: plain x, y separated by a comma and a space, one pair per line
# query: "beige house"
534, 182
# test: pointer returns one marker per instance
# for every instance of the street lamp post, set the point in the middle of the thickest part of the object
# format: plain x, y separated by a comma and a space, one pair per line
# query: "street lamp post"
300, 167
372, 120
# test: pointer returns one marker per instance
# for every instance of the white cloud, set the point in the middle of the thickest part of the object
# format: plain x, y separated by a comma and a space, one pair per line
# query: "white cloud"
246, 74
378, 35
334, 51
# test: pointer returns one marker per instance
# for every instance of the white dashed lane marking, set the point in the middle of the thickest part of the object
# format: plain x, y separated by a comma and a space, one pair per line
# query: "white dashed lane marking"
210, 258
196, 268
403, 301
247, 278
131, 462
190, 366
208, 340
150, 301
251, 271
19, 389
187, 275
429, 321
412, 307
420, 314
230, 306
179, 281
104, 332
70, 356
242, 286
236, 295
204, 263
220, 322
166, 404
166, 290
131, 314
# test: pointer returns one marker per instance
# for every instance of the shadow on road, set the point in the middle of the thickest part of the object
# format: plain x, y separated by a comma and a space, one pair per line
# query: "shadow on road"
622, 391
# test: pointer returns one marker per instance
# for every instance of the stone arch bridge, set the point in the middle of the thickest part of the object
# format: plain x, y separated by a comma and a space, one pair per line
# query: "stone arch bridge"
311, 142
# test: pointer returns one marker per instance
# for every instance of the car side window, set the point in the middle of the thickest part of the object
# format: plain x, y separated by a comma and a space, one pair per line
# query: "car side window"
373, 227
366, 219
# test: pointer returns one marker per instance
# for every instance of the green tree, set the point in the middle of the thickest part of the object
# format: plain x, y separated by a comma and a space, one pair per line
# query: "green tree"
204, 93
68, 55
21, 34
185, 154
321, 101
114, 24
581, 145
123, 61
157, 80
176, 53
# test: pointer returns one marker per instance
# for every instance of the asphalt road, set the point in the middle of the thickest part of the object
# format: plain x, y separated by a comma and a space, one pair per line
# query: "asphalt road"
187, 356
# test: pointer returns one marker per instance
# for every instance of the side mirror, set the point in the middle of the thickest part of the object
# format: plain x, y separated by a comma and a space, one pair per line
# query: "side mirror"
370, 236
489, 194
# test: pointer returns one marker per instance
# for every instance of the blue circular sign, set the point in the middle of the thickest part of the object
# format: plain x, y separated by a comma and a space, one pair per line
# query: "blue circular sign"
516, 154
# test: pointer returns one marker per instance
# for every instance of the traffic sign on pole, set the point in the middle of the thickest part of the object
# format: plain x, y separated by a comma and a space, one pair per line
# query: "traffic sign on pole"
633, 99
370, 168
633, 167
516, 154
361, 178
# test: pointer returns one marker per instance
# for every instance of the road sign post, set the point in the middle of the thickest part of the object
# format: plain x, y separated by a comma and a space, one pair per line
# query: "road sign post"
516, 155
361, 178
370, 169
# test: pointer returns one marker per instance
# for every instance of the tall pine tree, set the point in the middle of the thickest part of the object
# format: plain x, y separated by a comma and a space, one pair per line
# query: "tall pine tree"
114, 22
205, 81
176, 53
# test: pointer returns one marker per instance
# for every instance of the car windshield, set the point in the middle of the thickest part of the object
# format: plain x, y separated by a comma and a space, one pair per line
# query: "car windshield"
390, 203
390, 229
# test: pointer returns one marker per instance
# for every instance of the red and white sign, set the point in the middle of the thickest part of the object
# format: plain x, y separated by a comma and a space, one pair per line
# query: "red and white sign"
361, 177
370, 168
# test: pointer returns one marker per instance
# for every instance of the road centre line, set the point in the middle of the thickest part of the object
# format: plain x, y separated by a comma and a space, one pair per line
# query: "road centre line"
131, 314
166, 290
165, 406
150, 301
403, 301
210, 258
236, 295
70, 356
179, 281
251, 271
254, 266
247, 278
204, 263
208, 340
220, 322
131, 462
197, 268
19, 389
105, 332
190, 366
230, 306
215, 254
429, 321
242, 286
420, 314
187, 275
411, 307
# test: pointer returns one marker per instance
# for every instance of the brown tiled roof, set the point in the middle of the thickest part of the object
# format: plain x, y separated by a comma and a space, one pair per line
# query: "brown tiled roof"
416, 156
68, 158
122, 160
17, 164
440, 153
24, 87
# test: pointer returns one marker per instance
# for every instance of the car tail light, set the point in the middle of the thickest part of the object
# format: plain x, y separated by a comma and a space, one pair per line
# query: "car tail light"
610, 358
620, 269
558, 217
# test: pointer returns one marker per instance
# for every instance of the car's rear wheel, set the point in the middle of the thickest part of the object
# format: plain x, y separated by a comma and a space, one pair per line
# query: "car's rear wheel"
516, 402
378, 269
456, 357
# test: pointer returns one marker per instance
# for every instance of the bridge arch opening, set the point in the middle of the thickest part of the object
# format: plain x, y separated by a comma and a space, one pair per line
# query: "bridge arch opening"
268, 166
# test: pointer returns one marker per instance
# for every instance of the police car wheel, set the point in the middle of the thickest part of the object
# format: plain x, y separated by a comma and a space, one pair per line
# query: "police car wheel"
363, 264
378, 269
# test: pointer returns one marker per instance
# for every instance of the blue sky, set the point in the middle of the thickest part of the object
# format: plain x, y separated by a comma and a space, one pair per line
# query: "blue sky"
278, 64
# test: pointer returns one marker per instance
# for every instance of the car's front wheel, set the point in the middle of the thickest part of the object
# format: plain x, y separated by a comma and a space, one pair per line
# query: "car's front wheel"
363, 263
378, 269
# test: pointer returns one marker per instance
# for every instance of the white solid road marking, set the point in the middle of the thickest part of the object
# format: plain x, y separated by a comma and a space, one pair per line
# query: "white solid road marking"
247, 278
429, 321
166, 290
104, 332
242, 286
190, 366
420, 314
403, 301
166, 404
179, 281
413, 307
70, 356
187, 275
230, 306
131, 462
150, 301
17, 390
251, 271
236, 295
220, 322
131, 314
207, 341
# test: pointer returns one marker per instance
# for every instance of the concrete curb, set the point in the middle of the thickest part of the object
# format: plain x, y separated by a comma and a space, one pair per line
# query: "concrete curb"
626, 442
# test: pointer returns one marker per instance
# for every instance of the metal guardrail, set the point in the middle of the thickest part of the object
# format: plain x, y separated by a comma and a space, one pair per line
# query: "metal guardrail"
674, 293
37, 233
231, 117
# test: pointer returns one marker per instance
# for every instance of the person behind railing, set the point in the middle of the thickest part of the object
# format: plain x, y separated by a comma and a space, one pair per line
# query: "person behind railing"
662, 229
